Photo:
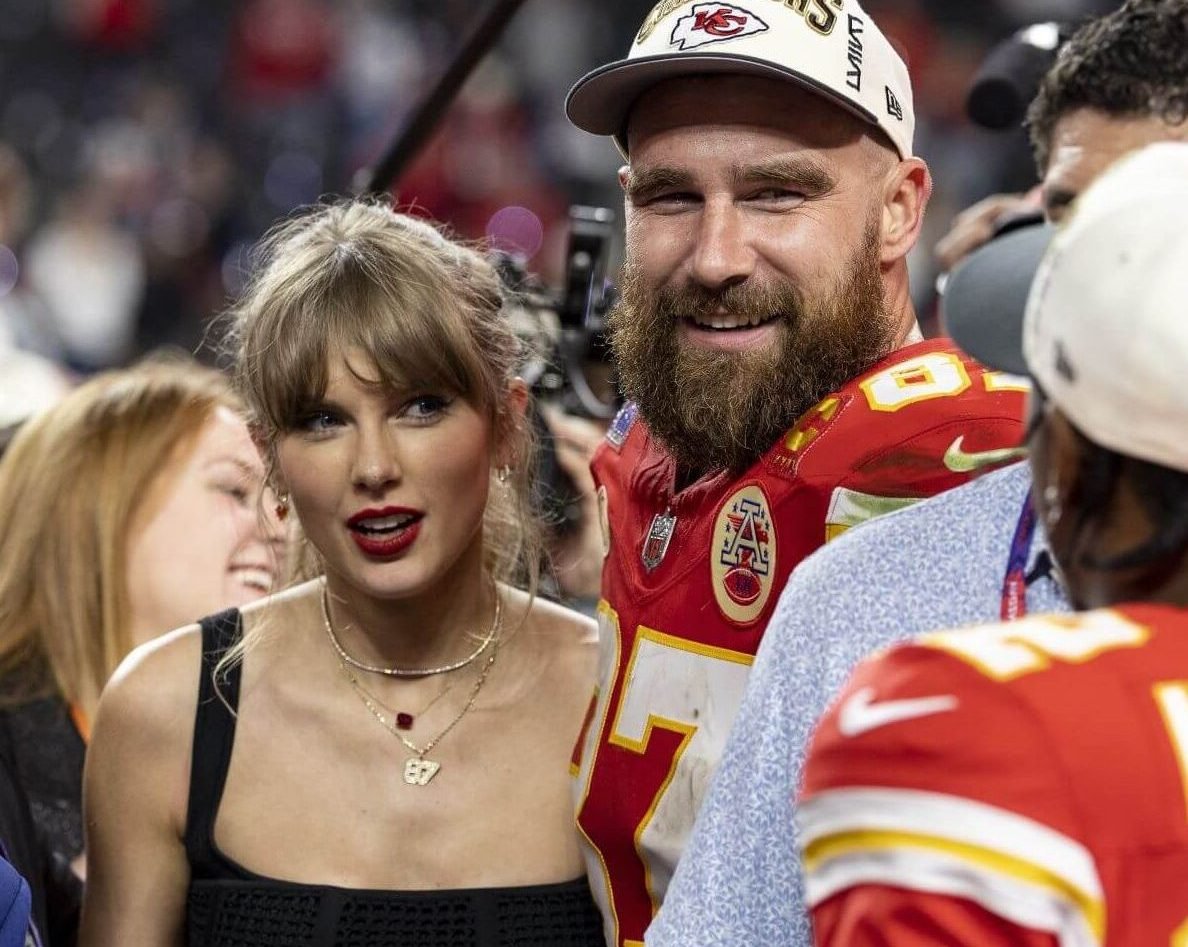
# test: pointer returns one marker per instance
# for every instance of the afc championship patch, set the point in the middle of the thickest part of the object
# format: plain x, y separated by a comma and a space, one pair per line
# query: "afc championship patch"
743, 555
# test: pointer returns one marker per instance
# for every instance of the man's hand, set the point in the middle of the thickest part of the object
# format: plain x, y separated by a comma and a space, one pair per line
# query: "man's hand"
975, 225
578, 557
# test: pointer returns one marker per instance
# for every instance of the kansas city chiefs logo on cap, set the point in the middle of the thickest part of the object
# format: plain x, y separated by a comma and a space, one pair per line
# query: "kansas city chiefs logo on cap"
713, 23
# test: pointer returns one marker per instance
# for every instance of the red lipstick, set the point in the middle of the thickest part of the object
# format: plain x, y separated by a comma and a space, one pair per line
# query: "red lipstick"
384, 533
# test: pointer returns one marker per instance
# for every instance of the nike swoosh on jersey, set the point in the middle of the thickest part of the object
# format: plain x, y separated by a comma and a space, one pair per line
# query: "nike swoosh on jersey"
860, 713
961, 461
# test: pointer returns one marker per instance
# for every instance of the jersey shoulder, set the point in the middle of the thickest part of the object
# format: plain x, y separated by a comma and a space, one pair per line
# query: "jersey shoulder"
914, 396
905, 715
925, 419
929, 776
990, 697
1021, 766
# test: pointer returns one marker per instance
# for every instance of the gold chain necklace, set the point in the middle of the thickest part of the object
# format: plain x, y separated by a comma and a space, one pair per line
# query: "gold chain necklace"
408, 672
418, 770
403, 719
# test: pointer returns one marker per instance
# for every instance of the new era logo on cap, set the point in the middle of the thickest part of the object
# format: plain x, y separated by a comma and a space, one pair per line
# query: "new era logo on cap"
712, 23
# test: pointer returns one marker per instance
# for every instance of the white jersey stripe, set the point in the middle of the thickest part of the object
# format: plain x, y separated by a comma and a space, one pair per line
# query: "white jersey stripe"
1027, 904
959, 820
952, 846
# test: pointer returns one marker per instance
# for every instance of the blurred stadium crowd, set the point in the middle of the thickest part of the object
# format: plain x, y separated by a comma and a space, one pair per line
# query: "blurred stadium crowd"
148, 143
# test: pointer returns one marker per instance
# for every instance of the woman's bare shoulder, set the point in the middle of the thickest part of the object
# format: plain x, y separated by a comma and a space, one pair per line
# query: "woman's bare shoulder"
294, 598
155, 688
560, 634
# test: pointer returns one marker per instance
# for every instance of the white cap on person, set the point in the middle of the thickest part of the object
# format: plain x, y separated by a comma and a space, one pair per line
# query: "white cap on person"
1105, 333
830, 47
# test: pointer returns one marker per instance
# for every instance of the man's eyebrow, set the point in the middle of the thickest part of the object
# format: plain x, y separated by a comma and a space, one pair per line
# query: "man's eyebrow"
803, 174
642, 184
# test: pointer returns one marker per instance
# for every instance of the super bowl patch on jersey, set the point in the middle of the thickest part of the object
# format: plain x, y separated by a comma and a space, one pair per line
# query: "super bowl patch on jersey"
621, 426
743, 555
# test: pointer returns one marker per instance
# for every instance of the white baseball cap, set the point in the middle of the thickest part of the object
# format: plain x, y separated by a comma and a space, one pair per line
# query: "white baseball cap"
832, 48
1105, 333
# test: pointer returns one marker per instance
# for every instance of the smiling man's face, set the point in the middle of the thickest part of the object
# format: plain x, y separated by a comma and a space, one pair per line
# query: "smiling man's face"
753, 285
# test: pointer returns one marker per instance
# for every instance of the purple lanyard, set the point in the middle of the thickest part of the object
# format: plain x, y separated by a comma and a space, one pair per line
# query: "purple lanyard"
1014, 583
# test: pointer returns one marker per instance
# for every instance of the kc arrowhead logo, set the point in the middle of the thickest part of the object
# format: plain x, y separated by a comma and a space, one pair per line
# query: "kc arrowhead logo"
713, 23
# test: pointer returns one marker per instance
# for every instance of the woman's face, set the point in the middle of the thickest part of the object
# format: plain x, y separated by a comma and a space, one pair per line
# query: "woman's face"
390, 486
205, 538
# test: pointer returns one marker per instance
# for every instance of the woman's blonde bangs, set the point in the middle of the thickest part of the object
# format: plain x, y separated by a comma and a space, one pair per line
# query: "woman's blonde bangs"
358, 289
415, 339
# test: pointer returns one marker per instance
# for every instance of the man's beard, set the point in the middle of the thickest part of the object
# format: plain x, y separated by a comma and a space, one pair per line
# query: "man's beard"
715, 409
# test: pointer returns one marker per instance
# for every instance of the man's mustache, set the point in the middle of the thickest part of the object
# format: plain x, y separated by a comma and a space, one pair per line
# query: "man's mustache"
740, 301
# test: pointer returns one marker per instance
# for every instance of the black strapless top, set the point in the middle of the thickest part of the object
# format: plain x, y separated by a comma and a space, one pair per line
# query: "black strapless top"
229, 906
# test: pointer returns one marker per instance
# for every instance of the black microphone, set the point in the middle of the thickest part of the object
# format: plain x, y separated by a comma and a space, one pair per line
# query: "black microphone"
1011, 73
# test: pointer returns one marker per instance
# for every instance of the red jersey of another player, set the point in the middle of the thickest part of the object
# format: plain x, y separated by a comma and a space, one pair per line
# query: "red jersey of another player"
691, 578
1022, 784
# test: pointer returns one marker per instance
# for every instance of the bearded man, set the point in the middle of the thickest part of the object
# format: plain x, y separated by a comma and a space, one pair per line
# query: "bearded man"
781, 392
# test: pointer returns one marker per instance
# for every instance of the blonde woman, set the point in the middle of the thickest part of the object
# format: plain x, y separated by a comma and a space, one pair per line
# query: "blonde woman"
129, 507
378, 756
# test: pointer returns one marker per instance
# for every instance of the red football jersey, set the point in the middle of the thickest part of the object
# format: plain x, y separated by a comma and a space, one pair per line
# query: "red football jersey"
1016, 784
690, 579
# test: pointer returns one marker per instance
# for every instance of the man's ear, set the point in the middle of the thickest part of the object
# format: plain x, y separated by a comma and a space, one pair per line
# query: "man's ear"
624, 176
908, 187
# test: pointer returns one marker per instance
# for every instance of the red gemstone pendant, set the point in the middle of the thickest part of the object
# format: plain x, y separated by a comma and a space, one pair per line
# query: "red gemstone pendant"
404, 721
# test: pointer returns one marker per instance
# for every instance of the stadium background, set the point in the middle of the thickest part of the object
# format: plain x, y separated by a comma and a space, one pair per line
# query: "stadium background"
147, 143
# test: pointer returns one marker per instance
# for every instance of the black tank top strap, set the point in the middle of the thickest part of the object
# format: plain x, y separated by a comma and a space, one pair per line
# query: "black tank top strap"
214, 736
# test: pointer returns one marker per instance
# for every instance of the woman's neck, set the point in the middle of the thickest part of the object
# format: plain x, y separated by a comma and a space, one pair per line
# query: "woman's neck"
427, 630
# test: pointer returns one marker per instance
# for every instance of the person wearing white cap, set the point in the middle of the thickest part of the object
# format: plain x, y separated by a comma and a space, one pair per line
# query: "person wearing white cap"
1025, 783
780, 390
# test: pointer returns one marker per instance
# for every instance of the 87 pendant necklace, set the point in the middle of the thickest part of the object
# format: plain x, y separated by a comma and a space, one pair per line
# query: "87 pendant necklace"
418, 770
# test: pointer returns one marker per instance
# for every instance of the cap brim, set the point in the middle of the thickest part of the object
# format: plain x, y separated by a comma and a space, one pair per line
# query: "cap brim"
986, 296
601, 100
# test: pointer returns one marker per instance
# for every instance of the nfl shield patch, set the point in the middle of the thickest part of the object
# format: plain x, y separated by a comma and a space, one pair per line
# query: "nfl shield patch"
655, 545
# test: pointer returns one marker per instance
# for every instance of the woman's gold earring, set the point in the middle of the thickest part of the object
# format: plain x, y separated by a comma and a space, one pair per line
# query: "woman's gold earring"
503, 474
282, 506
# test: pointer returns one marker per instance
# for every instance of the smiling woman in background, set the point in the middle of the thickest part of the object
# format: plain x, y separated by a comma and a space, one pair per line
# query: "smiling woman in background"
132, 506
379, 756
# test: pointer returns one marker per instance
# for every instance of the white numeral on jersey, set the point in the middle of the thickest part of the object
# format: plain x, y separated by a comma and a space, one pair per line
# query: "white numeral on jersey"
681, 686
1005, 652
1172, 699
937, 375
669, 684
